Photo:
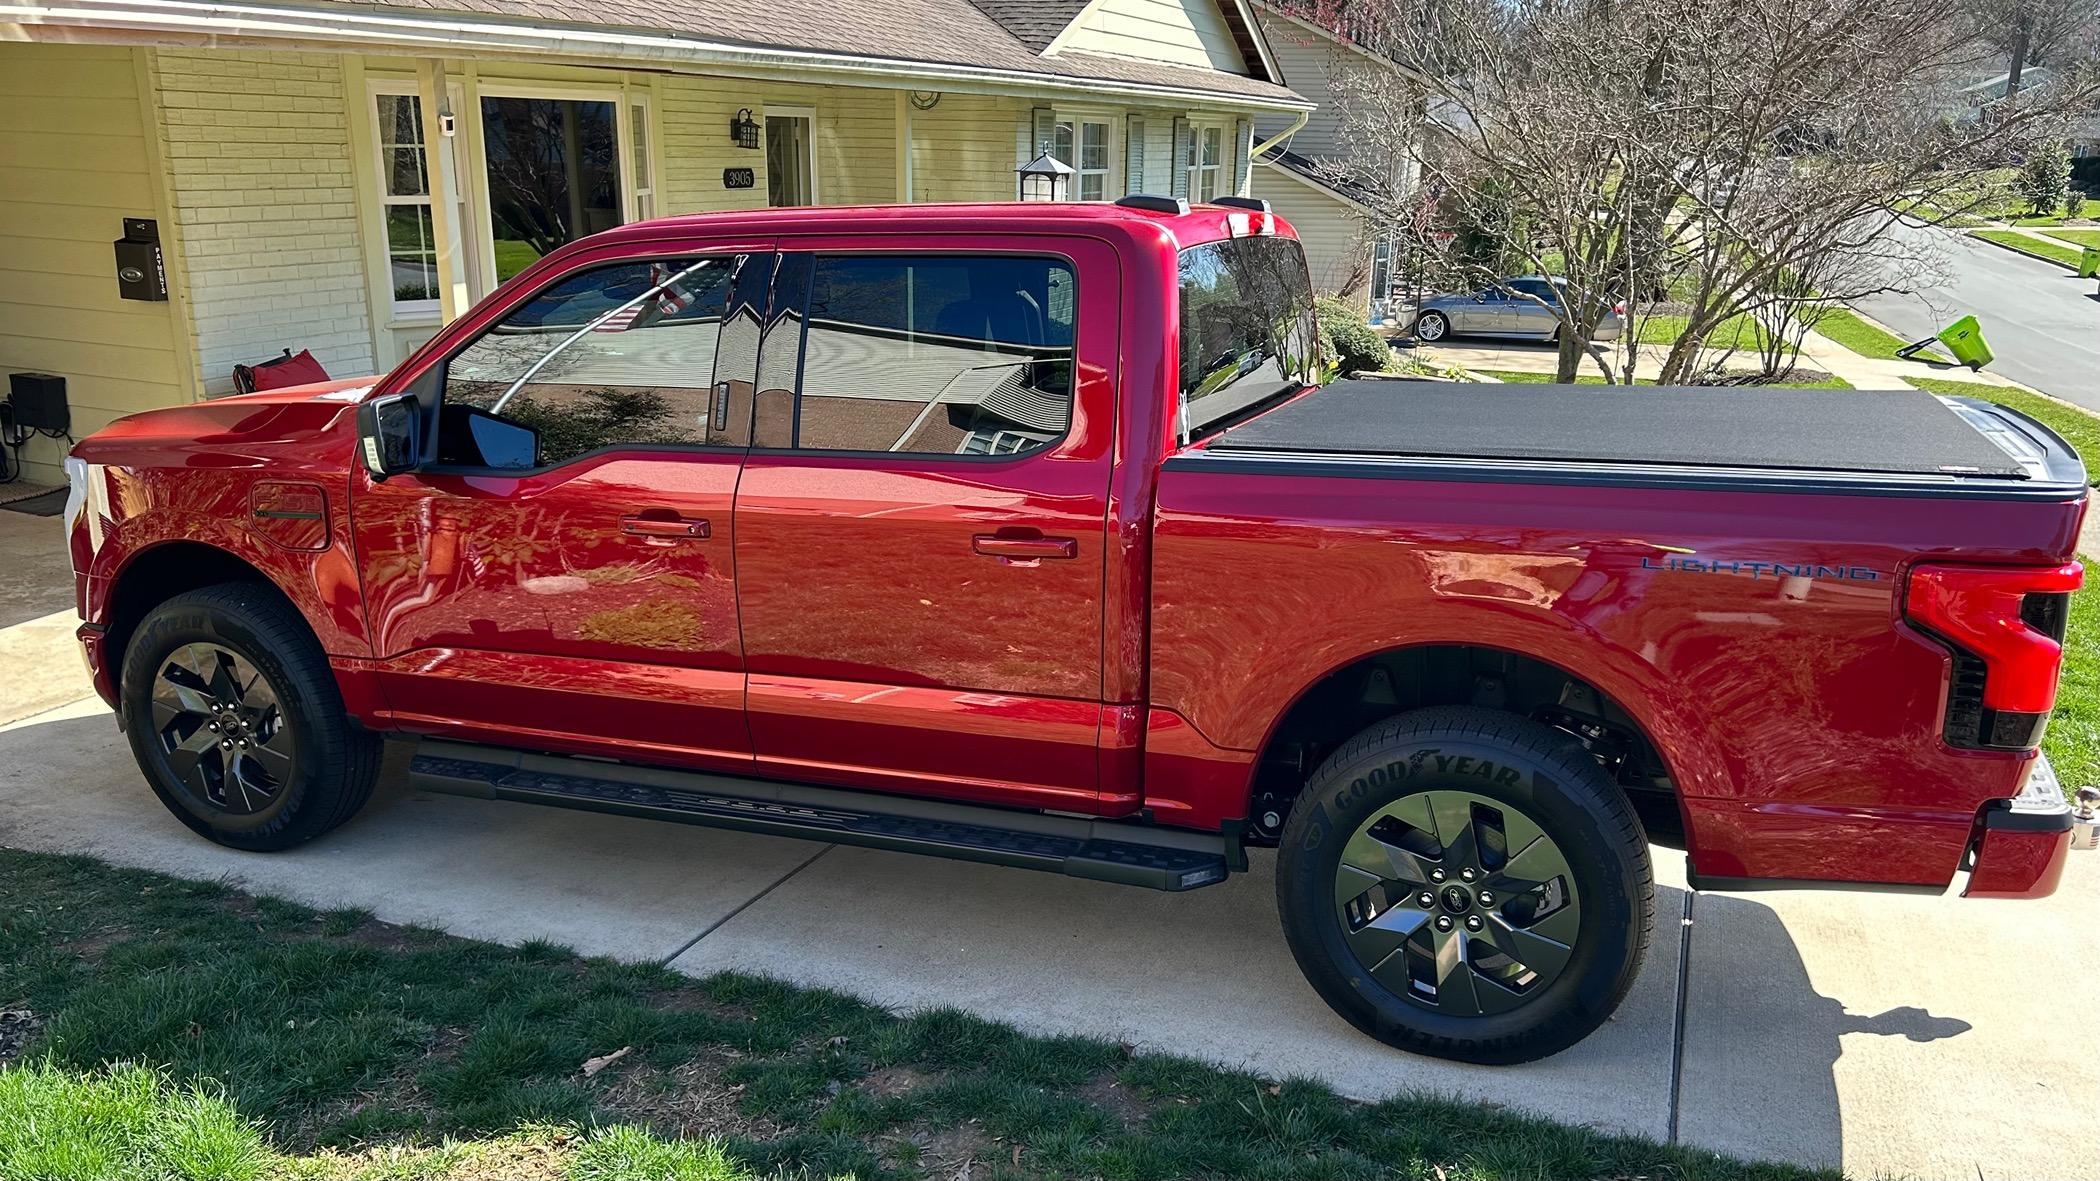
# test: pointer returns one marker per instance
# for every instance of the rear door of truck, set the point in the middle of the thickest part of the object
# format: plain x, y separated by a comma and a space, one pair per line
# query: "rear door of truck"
920, 524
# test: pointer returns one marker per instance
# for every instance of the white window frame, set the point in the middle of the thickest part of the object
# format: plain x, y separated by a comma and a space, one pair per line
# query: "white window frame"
1076, 121
639, 164
1198, 171
404, 311
809, 143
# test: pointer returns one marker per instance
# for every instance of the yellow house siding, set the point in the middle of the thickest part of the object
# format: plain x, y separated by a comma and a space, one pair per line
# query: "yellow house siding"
74, 161
1330, 230
966, 148
855, 145
258, 159
1184, 32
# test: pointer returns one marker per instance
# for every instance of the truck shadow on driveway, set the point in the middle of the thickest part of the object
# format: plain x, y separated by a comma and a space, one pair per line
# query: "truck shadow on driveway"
1204, 975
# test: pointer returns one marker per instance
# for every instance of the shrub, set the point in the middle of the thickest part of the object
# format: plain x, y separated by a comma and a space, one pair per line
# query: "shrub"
2045, 177
1352, 342
2074, 205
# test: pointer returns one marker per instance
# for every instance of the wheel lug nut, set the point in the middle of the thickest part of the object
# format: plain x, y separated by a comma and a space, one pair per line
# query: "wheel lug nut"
1467, 874
1436, 875
227, 744
1486, 899
1443, 922
214, 726
1472, 922
1426, 898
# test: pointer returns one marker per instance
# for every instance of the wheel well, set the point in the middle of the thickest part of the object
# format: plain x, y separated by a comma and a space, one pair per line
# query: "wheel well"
159, 574
1352, 698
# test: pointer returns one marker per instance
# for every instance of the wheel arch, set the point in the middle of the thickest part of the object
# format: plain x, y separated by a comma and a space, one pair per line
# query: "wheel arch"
160, 572
1642, 742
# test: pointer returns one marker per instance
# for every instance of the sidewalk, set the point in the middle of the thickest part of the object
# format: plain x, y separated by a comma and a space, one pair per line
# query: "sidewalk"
1895, 1036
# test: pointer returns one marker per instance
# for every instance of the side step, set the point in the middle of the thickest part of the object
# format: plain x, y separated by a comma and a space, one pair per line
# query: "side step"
1102, 850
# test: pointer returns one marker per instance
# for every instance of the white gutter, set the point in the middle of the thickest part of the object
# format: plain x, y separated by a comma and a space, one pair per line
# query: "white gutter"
447, 35
1304, 116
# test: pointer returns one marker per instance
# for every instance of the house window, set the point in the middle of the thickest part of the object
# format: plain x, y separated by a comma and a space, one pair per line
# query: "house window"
1083, 143
791, 173
1205, 162
404, 187
553, 172
638, 154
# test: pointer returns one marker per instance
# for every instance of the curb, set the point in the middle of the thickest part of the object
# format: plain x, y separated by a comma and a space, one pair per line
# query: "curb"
2007, 246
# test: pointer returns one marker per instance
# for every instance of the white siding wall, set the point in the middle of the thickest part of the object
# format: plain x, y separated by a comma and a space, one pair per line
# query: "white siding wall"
1184, 32
75, 138
258, 158
1309, 61
966, 148
1336, 251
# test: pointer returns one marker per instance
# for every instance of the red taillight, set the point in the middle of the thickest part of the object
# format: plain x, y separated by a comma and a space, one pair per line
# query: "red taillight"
1619, 308
1985, 612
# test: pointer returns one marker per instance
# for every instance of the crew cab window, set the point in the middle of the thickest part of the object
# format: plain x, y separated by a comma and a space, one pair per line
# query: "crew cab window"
1246, 328
619, 354
936, 355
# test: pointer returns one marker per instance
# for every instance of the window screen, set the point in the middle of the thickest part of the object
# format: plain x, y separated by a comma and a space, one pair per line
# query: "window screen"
622, 354
949, 355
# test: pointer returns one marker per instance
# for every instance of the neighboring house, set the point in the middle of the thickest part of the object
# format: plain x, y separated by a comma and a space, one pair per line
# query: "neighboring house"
1309, 181
282, 150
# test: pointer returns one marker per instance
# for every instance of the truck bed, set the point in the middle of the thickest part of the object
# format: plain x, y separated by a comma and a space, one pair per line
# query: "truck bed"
1882, 438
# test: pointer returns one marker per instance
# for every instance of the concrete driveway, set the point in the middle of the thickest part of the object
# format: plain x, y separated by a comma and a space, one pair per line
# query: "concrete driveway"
1892, 1036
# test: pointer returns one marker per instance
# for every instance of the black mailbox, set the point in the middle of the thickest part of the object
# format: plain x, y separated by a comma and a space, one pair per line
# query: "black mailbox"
141, 272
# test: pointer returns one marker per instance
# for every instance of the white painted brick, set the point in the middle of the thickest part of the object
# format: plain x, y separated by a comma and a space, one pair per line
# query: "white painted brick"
259, 160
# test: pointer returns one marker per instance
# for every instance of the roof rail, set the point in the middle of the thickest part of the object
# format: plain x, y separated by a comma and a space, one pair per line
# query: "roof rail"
1152, 204
1255, 203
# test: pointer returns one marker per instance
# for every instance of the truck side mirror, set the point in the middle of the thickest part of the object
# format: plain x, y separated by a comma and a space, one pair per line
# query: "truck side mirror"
390, 435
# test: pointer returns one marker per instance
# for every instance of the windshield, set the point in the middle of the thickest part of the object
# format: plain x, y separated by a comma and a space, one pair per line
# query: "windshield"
1247, 330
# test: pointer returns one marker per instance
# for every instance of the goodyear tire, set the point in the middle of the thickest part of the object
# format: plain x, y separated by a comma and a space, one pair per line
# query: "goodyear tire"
236, 721
1466, 884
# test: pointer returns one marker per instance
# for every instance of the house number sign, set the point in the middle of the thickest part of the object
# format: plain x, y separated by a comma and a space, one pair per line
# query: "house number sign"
738, 178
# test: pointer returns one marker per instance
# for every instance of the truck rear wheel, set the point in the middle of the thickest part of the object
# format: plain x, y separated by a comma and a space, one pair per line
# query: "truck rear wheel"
237, 723
1466, 884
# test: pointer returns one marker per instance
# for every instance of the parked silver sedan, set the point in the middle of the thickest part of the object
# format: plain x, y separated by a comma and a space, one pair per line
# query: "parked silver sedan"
1523, 307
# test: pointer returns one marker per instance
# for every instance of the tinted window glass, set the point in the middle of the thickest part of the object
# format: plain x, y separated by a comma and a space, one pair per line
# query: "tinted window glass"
968, 355
612, 355
1246, 327
1535, 289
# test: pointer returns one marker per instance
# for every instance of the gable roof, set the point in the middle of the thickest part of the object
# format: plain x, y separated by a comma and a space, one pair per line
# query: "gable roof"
1034, 23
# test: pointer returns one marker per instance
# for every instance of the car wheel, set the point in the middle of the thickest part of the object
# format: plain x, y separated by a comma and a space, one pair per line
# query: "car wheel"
237, 722
1466, 884
1432, 326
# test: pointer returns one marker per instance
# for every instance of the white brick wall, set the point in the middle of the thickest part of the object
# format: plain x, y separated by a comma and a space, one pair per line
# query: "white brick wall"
258, 154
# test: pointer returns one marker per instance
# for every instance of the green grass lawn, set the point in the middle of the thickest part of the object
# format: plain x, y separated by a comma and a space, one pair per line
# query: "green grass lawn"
271, 1040
2030, 244
1845, 326
1739, 331
2077, 237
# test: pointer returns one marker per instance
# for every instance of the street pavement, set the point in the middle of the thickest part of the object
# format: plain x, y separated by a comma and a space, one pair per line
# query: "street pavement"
1892, 1036
2042, 321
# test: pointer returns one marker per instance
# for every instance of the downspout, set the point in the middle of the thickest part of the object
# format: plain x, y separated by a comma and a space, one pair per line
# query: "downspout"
1254, 153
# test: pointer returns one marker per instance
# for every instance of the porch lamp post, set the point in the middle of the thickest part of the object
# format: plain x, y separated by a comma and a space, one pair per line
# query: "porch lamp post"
1045, 178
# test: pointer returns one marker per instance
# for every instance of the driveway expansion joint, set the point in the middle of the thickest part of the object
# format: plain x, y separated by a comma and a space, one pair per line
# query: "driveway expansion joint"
746, 904
1684, 964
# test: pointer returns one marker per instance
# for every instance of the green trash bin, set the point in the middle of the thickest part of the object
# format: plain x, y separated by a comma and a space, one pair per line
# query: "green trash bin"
2089, 262
1964, 338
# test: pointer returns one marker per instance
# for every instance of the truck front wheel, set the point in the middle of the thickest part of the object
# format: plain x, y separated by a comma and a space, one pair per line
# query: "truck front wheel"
1466, 884
237, 723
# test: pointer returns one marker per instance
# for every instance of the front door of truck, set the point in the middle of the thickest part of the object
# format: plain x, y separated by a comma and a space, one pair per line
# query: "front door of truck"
920, 524
563, 575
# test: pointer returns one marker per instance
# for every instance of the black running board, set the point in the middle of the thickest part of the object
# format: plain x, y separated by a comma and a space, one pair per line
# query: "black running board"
1101, 850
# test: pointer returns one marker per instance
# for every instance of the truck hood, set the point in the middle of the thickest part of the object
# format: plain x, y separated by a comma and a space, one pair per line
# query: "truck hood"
298, 428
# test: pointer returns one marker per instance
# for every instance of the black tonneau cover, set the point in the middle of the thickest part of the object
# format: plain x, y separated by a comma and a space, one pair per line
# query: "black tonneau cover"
1764, 427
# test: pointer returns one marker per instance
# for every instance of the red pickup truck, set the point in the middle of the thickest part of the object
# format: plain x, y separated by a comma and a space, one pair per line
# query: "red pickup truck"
1025, 534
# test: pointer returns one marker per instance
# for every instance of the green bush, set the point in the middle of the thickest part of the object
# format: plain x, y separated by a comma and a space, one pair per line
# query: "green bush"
1350, 340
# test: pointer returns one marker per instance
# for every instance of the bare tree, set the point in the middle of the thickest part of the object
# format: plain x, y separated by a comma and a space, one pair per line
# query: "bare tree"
1744, 156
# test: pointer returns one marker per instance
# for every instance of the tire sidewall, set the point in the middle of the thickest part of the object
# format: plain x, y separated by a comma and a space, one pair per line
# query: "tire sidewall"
1344, 795
184, 621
